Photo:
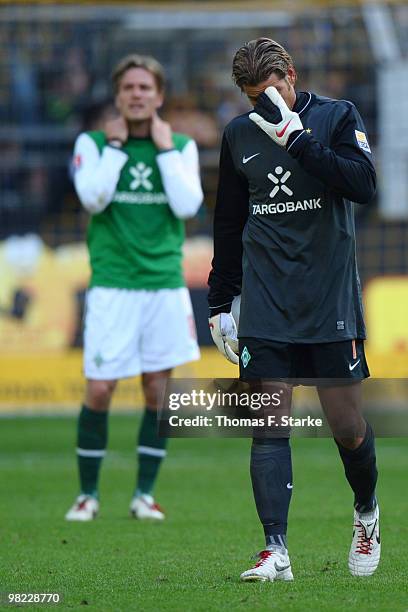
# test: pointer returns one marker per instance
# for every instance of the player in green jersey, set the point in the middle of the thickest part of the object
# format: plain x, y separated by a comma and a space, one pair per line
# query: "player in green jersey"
139, 181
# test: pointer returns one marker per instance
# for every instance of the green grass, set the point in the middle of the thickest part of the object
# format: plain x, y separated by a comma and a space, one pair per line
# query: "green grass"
193, 560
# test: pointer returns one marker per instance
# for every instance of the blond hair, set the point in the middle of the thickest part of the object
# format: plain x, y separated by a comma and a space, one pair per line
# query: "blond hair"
138, 61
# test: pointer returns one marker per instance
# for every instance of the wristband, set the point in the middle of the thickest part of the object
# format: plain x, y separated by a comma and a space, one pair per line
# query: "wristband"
115, 143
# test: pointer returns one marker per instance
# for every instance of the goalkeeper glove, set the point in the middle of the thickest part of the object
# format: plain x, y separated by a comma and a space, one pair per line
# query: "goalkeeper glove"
274, 117
224, 333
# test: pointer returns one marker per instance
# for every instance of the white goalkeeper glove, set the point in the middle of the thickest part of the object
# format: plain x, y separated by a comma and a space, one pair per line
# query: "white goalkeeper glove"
224, 333
269, 107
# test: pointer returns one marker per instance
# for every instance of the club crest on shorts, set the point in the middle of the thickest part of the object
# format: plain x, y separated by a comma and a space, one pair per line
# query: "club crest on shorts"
98, 360
245, 357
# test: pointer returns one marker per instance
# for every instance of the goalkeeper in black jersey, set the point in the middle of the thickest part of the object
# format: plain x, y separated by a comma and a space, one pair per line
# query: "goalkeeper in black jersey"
290, 172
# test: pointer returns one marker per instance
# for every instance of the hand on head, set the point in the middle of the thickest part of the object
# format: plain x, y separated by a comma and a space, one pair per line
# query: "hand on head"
161, 132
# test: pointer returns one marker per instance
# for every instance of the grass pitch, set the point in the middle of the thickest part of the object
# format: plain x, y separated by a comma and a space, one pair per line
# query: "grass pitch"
193, 560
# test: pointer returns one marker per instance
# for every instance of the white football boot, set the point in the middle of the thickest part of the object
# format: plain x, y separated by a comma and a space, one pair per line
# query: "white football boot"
85, 509
144, 507
272, 565
365, 548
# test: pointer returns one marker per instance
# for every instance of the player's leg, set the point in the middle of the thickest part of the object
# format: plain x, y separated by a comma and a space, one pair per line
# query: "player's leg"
93, 433
168, 340
110, 337
271, 477
92, 437
151, 448
355, 441
271, 462
342, 366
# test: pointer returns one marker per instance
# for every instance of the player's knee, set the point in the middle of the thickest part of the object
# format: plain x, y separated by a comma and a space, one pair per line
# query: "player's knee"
154, 388
153, 396
350, 443
99, 394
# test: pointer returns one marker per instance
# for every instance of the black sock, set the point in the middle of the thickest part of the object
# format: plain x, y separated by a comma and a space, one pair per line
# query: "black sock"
151, 452
361, 471
271, 475
91, 447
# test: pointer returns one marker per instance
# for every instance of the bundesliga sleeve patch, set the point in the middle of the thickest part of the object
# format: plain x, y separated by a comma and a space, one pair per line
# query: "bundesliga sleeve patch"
362, 141
76, 162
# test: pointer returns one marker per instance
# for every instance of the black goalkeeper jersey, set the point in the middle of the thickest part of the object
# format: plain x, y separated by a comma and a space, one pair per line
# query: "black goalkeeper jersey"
284, 232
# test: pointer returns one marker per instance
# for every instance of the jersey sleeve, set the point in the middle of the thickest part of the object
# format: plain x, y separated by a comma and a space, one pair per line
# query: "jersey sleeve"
180, 173
346, 167
96, 174
230, 217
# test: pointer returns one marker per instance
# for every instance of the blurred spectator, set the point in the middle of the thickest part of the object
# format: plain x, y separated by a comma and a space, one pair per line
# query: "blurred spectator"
232, 104
24, 89
184, 116
336, 85
352, 85
67, 88
23, 192
96, 113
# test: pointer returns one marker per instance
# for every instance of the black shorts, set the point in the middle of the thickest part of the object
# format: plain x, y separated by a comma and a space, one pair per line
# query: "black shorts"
329, 363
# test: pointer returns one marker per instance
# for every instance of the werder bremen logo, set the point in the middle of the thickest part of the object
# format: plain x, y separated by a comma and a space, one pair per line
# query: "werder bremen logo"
98, 360
245, 357
141, 174
143, 189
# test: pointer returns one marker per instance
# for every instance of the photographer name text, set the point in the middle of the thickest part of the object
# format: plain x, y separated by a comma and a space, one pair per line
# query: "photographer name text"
226, 421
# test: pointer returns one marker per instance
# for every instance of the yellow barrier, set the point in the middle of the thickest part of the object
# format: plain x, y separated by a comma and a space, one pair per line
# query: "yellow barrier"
40, 306
54, 382
386, 310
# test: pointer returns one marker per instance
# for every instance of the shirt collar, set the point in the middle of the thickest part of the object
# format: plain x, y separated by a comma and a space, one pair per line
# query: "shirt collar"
304, 100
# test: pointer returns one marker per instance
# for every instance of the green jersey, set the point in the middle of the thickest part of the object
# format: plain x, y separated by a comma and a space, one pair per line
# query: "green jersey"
136, 241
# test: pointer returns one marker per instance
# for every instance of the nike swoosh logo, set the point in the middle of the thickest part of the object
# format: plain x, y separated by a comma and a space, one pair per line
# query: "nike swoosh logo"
351, 367
368, 526
245, 160
289, 486
279, 568
283, 130
369, 529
